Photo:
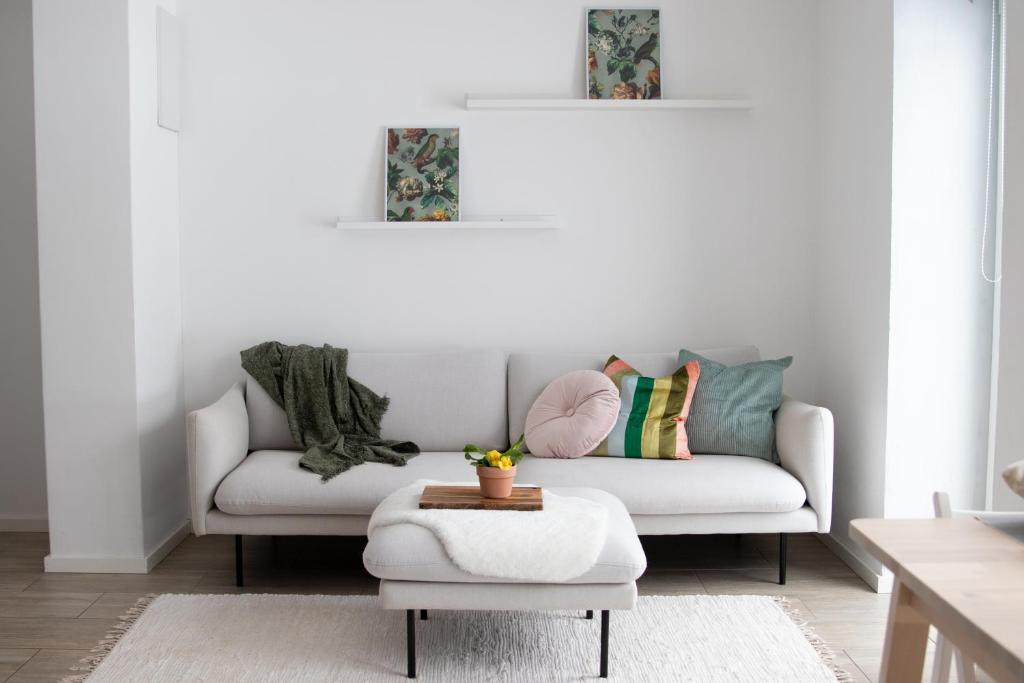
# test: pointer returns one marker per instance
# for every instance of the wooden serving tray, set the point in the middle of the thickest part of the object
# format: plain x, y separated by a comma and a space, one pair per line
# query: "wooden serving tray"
523, 498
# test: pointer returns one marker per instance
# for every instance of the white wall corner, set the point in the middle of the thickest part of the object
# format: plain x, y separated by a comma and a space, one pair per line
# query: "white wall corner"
880, 583
163, 549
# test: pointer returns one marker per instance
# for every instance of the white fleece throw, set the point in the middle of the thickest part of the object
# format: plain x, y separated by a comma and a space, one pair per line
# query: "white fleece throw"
556, 544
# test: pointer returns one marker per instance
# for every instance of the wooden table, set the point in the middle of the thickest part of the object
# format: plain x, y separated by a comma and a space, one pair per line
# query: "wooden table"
960, 575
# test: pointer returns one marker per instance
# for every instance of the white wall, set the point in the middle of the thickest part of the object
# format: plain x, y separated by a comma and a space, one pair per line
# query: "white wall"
1009, 425
854, 193
682, 228
107, 251
85, 272
156, 287
22, 458
941, 307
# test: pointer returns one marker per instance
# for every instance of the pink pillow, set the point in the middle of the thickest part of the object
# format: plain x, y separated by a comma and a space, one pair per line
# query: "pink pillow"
572, 415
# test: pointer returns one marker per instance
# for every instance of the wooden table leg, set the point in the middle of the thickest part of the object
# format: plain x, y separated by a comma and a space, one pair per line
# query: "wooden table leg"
906, 638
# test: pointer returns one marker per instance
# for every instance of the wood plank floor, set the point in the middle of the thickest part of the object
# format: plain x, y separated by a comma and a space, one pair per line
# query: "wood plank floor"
49, 621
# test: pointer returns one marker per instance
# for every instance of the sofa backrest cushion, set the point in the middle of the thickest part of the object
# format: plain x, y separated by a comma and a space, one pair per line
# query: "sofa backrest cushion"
529, 373
441, 401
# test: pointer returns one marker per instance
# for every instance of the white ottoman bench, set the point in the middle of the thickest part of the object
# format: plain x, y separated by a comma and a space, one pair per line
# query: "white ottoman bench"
416, 573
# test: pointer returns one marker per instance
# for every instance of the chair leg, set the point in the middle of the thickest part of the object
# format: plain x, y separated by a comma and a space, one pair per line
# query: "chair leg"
423, 615
238, 561
410, 640
590, 614
943, 659
965, 668
783, 538
604, 643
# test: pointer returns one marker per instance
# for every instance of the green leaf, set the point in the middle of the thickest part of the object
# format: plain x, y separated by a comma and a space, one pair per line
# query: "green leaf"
519, 443
613, 65
447, 157
628, 72
394, 174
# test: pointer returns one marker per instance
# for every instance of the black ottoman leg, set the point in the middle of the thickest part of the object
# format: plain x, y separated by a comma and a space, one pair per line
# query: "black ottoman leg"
590, 614
604, 643
423, 614
410, 640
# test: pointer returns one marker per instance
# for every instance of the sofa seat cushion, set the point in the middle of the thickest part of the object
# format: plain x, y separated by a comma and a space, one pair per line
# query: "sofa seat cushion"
708, 484
407, 552
272, 483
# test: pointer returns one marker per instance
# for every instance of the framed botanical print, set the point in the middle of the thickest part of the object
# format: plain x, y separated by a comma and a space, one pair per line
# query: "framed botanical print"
623, 54
421, 174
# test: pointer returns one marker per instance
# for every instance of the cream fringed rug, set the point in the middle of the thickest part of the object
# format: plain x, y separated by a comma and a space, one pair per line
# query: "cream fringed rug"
315, 638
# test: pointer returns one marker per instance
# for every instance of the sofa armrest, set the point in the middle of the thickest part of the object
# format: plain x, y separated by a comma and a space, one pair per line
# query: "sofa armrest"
218, 440
804, 436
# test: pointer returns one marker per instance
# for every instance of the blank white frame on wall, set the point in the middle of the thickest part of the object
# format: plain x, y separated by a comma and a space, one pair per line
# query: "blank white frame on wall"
168, 70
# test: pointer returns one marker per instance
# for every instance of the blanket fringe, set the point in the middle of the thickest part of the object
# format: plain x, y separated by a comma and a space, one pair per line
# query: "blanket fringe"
817, 642
88, 664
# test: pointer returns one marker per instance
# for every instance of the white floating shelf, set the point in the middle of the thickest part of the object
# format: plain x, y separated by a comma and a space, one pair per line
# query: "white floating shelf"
486, 223
513, 103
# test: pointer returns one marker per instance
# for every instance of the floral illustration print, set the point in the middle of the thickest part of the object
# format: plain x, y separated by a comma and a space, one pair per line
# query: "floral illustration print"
623, 54
422, 174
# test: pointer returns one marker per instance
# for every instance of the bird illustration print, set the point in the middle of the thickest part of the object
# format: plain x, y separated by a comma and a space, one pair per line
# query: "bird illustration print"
619, 41
646, 51
426, 153
421, 180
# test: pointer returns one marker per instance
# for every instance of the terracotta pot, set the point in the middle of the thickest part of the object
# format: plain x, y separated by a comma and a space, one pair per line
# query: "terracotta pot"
495, 482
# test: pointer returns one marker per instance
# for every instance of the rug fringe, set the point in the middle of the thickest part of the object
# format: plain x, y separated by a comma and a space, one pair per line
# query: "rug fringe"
88, 664
828, 656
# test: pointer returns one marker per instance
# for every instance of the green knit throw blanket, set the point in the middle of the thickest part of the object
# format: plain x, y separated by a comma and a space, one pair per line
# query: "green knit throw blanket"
332, 417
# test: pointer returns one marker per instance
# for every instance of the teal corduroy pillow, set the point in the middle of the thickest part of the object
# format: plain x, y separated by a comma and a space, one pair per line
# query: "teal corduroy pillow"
733, 408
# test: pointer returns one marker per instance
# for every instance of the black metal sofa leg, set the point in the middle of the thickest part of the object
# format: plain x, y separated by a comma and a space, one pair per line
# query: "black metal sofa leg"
423, 615
604, 643
238, 560
783, 538
410, 640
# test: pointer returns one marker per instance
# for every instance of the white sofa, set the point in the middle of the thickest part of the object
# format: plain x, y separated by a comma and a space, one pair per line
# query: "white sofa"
244, 477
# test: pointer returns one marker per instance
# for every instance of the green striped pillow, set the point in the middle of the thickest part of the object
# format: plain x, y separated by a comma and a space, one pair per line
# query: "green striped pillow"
652, 413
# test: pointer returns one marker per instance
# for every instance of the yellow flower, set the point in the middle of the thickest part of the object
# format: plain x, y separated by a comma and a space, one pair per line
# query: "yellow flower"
493, 457
505, 462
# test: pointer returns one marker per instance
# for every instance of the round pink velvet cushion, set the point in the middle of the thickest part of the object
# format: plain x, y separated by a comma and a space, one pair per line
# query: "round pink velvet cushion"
572, 415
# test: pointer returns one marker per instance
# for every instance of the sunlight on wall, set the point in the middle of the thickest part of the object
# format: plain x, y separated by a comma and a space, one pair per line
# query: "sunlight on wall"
941, 308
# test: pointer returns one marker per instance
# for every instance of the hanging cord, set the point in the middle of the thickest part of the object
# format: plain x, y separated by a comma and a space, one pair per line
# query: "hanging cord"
988, 157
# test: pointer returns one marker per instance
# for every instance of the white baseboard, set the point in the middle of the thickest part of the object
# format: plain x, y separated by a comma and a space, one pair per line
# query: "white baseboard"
20, 523
94, 564
106, 564
880, 583
168, 544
